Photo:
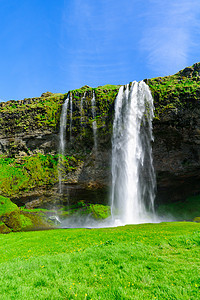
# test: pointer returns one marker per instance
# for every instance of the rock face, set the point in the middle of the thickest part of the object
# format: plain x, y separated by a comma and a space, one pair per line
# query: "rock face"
176, 153
176, 149
30, 126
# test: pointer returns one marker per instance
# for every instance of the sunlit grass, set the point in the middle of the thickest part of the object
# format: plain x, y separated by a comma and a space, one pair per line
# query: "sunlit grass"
149, 261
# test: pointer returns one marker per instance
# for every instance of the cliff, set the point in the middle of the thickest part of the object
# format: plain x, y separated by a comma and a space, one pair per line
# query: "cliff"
29, 139
176, 127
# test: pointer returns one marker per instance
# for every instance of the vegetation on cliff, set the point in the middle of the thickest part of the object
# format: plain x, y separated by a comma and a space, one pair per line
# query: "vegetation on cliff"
96, 211
43, 113
25, 164
82, 120
17, 117
14, 219
25, 173
22, 174
170, 92
178, 91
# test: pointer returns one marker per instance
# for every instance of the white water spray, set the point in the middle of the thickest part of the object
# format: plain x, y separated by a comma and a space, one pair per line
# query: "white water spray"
82, 100
133, 178
71, 114
94, 123
62, 140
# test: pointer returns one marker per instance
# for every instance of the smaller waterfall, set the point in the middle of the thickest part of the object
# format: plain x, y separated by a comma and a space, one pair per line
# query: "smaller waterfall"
62, 140
133, 178
71, 114
94, 123
82, 100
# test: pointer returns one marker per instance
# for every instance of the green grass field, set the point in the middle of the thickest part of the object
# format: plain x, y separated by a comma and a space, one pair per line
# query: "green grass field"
148, 261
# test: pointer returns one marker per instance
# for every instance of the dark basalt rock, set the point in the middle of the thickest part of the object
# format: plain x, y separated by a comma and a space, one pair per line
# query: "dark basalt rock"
47, 94
191, 71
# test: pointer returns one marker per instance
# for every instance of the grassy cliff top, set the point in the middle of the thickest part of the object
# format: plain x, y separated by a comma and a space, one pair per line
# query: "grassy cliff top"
179, 90
44, 112
21, 115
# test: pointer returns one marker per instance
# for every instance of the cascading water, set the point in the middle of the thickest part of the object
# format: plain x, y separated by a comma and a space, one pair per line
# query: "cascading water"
62, 140
94, 123
133, 178
71, 113
82, 100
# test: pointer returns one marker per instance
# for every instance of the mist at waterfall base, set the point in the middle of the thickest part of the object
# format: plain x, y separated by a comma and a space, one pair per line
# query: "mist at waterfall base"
133, 178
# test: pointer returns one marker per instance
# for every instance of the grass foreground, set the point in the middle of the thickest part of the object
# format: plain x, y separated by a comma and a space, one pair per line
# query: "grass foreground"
146, 261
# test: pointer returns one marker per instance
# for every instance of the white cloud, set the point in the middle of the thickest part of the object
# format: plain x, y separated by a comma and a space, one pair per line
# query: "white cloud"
94, 48
168, 36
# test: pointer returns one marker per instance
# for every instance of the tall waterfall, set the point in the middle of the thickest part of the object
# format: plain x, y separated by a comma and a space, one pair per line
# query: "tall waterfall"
71, 114
81, 104
62, 140
133, 178
94, 123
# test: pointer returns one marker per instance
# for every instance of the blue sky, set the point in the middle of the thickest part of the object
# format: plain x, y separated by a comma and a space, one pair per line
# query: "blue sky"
60, 45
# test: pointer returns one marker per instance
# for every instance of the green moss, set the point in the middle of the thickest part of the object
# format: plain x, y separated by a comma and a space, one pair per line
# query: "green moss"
33, 220
175, 91
22, 174
22, 221
10, 214
26, 223
27, 172
36, 210
109, 87
100, 211
83, 118
7, 206
197, 219
37, 112
4, 228
12, 220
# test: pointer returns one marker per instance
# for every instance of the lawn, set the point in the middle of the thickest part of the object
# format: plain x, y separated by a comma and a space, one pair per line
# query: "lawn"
148, 261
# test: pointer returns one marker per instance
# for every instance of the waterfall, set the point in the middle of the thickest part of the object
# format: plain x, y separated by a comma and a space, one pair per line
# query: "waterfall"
71, 113
62, 140
94, 123
133, 178
82, 99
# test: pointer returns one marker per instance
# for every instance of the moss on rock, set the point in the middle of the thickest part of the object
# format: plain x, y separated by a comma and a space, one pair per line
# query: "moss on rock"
31, 114
178, 91
10, 214
35, 220
100, 211
14, 219
197, 219
7, 206
4, 228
